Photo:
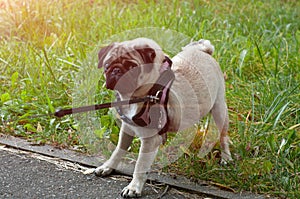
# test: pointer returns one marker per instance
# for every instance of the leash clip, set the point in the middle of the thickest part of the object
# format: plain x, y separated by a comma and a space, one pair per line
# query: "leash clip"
155, 99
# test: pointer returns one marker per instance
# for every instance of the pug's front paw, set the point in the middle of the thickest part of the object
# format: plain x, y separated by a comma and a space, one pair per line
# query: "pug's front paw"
103, 171
131, 192
134, 189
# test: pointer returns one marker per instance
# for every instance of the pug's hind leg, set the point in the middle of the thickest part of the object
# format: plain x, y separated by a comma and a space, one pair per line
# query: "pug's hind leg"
148, 151
121, 149
220, 115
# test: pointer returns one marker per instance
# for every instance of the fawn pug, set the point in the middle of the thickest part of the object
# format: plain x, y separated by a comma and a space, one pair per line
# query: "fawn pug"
131, 68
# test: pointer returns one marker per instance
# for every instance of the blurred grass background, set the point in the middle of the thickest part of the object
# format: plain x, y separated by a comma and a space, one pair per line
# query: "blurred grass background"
44, 44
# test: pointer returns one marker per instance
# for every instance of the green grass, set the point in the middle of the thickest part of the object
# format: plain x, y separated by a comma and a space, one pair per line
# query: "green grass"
46, 45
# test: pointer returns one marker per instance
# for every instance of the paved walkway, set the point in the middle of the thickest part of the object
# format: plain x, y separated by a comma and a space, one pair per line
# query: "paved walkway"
28, 175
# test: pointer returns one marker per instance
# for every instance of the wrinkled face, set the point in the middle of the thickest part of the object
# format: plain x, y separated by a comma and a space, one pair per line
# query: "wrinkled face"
126, 64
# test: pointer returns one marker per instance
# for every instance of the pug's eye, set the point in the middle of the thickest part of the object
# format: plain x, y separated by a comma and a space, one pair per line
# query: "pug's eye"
106, 67
129, 65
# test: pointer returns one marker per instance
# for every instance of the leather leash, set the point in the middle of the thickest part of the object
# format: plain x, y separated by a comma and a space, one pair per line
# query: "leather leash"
63, 112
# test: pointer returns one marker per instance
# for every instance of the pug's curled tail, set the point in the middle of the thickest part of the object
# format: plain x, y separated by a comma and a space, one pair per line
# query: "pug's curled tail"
204, 46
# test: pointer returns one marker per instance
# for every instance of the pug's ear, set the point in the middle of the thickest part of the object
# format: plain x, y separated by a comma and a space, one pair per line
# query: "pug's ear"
148, 54
102, 54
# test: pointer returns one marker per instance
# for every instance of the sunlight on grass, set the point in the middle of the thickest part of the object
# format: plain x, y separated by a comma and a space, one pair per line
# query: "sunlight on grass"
45, 45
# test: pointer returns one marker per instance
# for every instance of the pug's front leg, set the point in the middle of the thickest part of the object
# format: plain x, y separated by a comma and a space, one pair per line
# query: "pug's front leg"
148, 151
124, 142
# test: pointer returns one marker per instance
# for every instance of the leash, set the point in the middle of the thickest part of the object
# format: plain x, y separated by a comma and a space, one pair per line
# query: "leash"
158, 94
63, 112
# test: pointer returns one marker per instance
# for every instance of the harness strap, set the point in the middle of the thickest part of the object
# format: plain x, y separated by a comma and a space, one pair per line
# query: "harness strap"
154, 113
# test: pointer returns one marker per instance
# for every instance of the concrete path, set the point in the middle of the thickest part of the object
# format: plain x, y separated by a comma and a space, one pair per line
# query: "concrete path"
28, 175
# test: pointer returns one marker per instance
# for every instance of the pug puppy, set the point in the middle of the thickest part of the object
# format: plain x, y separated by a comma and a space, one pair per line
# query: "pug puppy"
131, 68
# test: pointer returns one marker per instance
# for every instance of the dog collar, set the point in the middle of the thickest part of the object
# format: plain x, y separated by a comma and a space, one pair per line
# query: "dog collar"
154, 114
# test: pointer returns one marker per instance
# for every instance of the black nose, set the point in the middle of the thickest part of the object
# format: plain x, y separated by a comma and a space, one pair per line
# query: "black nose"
116, 71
